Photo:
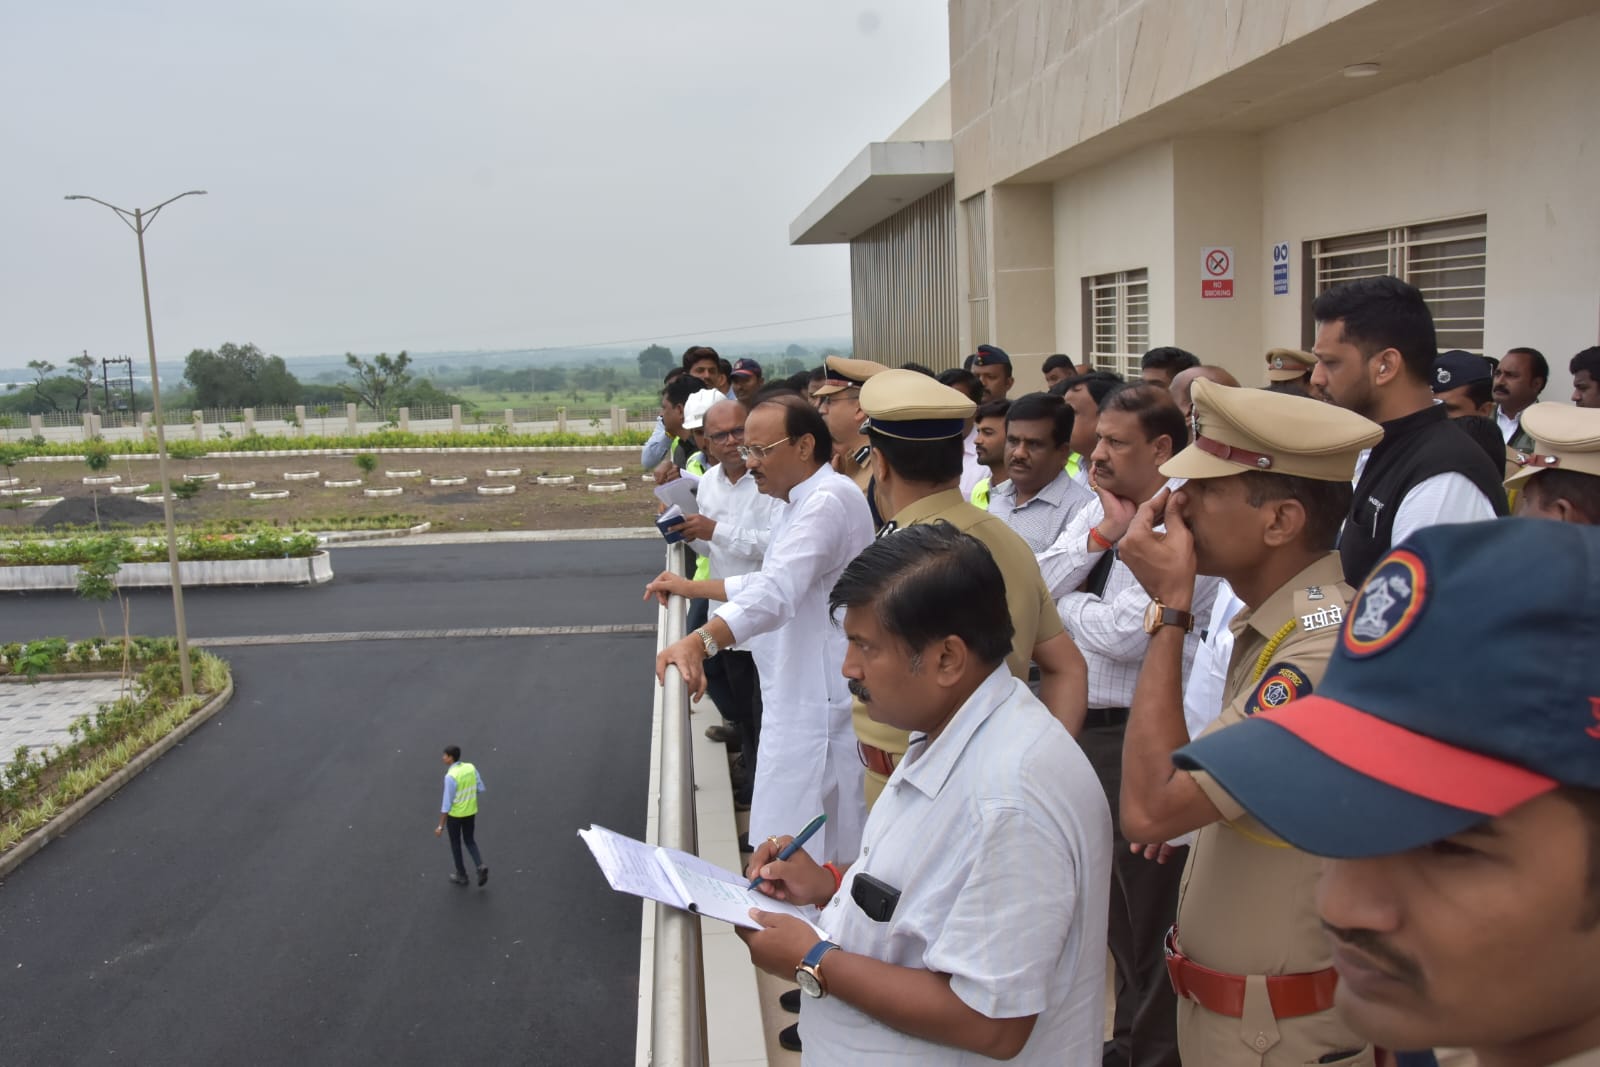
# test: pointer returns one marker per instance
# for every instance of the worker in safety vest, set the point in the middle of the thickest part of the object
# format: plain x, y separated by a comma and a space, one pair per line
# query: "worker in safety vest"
459, 812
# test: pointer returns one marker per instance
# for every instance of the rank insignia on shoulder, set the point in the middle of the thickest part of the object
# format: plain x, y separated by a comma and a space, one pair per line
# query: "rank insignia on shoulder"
1322, 618
1314, 592
1282, 684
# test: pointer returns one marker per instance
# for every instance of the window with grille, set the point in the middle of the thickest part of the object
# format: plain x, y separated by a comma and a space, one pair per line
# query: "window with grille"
1116, 320
1446, 260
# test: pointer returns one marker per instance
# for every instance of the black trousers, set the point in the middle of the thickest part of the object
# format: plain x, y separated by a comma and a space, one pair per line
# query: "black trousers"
460, 830
1144, 904
735, 685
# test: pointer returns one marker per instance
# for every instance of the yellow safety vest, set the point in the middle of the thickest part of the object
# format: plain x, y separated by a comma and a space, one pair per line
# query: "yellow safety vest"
466, 801
1074, 464
980, 493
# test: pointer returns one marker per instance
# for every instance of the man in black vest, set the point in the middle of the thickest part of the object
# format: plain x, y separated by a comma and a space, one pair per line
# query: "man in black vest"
1375, 350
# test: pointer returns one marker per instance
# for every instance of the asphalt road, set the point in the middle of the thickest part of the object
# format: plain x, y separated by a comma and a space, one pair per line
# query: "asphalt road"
271, 890
565, 583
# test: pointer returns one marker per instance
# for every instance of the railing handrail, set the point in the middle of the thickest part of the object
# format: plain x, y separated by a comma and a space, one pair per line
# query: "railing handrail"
677, 1003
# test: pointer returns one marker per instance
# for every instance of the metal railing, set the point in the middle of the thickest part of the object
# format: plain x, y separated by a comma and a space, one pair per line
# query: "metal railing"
677, 1003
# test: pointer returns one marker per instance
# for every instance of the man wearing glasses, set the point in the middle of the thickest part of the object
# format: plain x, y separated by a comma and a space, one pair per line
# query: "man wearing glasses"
807, 761
839, 400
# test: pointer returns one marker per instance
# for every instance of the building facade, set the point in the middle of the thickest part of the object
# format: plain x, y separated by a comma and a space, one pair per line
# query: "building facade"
1132, 173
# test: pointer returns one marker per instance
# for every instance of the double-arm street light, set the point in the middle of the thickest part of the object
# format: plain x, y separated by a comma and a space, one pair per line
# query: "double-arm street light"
138, 220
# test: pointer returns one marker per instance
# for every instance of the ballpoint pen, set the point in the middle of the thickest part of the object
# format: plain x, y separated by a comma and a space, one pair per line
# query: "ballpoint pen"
793, 846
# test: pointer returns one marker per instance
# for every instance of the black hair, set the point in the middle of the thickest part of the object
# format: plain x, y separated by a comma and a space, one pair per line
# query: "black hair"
1058, 362
1589, 360
921, 462
1383, 312
817, 373
1580, 490
673, 375
453, 751
724, 367
1481, 392
1536, 360
794, 385
1293, 386
681, 388
1169, 359
695, 353
1485, 433
927, 582
801, 418
1098, 382
964, 380
1158, 413
993, 409
1044, 406
1325, 503
919, 368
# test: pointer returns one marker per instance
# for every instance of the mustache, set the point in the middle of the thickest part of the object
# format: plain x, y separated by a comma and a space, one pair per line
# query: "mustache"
1399, 967
859, 691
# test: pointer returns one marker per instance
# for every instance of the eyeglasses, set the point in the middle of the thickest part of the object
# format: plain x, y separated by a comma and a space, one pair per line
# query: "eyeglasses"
750, 452
718, 438
843, 394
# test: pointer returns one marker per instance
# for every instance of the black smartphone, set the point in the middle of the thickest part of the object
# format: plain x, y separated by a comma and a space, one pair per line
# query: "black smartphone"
876, 899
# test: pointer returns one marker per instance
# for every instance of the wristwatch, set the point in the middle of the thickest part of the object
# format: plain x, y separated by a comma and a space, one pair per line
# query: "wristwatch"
808, 976
1158, 615
710, 643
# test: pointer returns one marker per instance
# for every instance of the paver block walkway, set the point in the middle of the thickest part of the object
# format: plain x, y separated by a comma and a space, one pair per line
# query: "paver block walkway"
38, 715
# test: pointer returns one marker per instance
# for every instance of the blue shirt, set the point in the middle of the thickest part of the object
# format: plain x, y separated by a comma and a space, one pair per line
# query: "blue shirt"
450, 790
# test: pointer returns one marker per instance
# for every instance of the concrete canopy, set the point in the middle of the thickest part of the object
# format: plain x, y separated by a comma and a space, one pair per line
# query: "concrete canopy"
882, 179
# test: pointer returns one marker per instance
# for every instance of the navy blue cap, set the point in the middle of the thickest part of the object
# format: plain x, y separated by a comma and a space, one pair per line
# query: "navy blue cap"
990, 356
1408, 740
745, 366
1455, 368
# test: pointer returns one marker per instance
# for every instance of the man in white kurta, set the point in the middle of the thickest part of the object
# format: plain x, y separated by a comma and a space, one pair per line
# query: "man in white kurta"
807, 763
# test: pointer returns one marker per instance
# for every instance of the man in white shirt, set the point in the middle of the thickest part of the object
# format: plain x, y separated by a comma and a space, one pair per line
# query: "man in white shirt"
731, 532
1375, 349
807, 761
1518, 380
970, 926
1103, 608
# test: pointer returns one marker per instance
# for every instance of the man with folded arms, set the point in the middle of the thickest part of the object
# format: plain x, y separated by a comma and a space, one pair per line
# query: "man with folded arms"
1459, 809
1268, 486
971, 925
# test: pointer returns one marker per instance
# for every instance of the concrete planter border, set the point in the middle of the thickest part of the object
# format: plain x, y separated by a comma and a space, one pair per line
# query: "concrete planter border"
7, 482
112, 785
45, 502
211, 476
153, 498
383, 490
31, 490
607, 487
555, 479
342, 483
101, 479
301, 476
502, 472
601, 472
447, 481
497, 490
235, 486
269, 494
124, 490
403, 474
303, 570
295, 452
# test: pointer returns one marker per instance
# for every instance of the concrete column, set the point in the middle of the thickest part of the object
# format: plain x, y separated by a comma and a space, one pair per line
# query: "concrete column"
36, 425
455, 417
249, 421
88, 426
1022, 299
619, 420
198, 419
405, 420
146, 426
350, 424
511, 420
300, 418
561, 420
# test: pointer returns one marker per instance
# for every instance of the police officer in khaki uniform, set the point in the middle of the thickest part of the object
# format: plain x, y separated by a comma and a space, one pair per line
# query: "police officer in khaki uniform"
839, 400
1560, 478
915, 426
1289, 370
1268, 484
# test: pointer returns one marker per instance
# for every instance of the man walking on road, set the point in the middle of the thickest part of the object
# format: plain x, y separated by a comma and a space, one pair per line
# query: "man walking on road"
459, 812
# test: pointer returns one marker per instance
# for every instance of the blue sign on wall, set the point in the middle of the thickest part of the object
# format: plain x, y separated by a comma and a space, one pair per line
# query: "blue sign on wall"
1280, 269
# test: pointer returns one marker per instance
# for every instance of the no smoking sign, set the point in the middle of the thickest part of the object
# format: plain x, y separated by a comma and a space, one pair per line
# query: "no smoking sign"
1216, 273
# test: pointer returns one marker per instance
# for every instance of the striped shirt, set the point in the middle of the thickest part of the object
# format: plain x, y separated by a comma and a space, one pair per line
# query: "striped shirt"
1041, 520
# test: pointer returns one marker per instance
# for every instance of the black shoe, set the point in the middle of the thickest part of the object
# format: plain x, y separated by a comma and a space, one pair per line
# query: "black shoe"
483, 875
458, 879
789, 1037
1111, 1056
744, 843
790, 1002
723, 734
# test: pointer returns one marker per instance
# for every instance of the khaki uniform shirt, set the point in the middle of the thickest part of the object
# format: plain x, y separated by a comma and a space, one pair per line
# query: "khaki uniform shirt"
1246, 905
1033, 613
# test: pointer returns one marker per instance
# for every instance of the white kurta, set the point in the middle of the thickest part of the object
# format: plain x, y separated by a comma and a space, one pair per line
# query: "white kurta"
807, 761
998, 837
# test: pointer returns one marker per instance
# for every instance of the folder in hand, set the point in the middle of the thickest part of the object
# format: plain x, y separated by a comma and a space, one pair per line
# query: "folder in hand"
683, 881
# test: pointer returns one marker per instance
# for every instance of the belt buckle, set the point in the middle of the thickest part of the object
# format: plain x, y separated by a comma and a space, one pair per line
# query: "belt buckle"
1174, 960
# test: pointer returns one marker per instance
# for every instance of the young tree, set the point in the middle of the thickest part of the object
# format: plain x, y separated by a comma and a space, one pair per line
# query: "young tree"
376, 383
654, 362
239, 376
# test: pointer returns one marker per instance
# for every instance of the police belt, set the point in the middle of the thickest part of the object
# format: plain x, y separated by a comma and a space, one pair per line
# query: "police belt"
1096, 718
877, 760
1291, 995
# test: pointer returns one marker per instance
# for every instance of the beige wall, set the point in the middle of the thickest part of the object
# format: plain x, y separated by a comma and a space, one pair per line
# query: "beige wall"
1217, 201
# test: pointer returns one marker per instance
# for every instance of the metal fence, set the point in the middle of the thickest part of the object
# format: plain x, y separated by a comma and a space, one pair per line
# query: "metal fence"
677, 1001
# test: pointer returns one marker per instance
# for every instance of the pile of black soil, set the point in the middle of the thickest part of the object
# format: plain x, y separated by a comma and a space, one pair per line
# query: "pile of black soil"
113, 511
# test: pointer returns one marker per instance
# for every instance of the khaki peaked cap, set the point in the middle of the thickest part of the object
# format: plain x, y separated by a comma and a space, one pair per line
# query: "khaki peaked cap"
846, 374
914, 407
1565, 438
1287, 364
1238, 429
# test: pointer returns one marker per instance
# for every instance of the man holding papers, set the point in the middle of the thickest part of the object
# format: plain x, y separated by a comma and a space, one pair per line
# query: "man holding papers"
973, 922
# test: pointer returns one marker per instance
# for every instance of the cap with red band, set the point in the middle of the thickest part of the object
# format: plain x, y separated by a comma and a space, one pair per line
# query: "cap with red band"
1407, 741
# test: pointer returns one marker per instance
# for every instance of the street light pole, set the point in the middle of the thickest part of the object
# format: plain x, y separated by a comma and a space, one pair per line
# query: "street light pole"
140, 220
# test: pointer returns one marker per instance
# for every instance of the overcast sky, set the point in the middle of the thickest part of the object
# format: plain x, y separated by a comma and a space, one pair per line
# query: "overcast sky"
388, 174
